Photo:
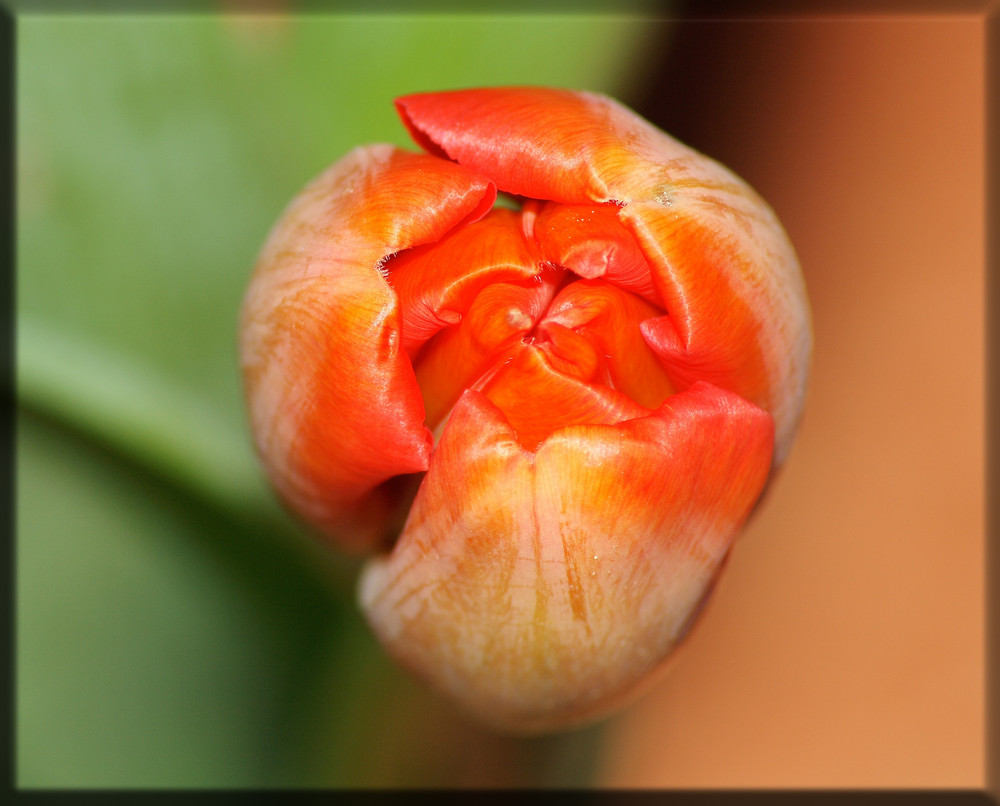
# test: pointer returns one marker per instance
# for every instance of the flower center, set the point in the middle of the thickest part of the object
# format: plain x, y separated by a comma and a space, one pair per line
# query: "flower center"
539, 310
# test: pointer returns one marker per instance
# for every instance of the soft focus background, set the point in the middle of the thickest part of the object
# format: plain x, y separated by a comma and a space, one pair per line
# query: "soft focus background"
175, 629
845, 645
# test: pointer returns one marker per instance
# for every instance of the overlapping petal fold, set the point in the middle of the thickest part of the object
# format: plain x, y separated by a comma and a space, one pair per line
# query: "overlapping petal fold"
334, 406
437, 283
717, 258
738, 315
610, 320
592, 242
537, 588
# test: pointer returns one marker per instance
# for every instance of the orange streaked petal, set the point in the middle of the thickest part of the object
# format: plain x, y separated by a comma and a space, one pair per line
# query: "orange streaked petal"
539, 142
334, 406
570, 353
738, 315
540, 590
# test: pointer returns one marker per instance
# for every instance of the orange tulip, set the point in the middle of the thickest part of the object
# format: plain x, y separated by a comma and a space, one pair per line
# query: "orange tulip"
548, 423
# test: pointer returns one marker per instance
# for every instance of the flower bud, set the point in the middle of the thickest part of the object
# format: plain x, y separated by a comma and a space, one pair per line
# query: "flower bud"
588, 393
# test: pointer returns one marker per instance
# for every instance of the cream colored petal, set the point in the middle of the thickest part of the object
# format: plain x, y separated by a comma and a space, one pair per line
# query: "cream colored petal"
541, 590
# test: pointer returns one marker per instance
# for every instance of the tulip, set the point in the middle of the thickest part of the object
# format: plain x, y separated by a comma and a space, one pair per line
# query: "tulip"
543, 421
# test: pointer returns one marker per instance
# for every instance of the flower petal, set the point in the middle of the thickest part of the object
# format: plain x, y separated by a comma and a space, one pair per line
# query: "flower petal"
539, 142
333, 402
610, 319
592, 242
550, 385
738, 316
539, 590
489, 335
437, 283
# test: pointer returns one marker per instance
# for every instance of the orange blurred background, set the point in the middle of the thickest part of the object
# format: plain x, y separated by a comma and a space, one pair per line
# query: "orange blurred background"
845, 643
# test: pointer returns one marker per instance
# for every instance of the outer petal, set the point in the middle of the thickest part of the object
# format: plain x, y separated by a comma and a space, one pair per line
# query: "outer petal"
720, 260
738, 315
334, 406
540, 589
539, 142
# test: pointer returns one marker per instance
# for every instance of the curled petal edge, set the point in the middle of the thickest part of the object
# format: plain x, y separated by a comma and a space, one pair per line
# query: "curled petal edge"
333, 402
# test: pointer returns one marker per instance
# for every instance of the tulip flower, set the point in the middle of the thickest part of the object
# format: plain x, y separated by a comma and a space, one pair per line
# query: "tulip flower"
546, 420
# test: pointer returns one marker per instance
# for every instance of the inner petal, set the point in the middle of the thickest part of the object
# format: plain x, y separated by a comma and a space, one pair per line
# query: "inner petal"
609, 319
490, 334
497, 306
538, 399
437, 283
592, 242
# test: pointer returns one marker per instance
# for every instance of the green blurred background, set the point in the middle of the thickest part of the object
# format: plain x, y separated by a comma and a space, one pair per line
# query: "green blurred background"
174, 628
